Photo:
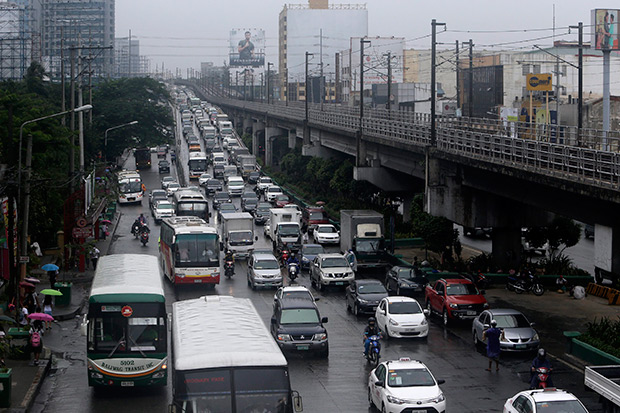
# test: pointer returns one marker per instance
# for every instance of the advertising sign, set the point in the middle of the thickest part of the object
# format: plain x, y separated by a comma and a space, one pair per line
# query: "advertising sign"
247, 48
605, 33
539, 82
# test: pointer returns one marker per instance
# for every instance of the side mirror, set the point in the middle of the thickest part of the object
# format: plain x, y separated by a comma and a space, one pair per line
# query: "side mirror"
426, 312
84, 326
273, 320
382, 312
440, 381
379, 383
532, 324
486, 326
317, 299
324, 320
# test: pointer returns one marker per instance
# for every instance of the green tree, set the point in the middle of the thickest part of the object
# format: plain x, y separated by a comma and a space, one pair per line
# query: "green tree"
438, 233
562, 233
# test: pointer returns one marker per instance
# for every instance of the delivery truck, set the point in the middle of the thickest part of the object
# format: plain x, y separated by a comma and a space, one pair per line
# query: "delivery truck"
362, 231
285, 228
238, 233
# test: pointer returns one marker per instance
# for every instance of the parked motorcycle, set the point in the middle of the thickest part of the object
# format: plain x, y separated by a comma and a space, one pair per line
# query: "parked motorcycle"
525, 282
229, 268
144, 238
293, 270
374, 350
478, 278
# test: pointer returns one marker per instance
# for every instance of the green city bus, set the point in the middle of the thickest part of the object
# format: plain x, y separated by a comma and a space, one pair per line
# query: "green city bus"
126, 331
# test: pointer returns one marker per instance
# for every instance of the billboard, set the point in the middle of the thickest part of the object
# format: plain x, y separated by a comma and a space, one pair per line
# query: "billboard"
247, 48
605, 33
539, 82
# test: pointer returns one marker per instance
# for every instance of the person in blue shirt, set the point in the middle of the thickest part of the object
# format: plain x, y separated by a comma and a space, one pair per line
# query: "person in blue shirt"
371, 330
493, 335
292, 259
540, 361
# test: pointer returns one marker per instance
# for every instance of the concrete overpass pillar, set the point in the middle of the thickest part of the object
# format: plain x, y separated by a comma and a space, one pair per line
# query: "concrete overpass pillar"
270, 135
507, 247
406, 208
292, 139
256, 127
247, 125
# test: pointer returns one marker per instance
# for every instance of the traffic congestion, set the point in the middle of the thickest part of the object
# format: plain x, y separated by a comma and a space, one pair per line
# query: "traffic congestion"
274, 308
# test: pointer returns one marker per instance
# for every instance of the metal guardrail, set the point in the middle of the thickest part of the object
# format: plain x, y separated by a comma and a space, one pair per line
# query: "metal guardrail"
588, 156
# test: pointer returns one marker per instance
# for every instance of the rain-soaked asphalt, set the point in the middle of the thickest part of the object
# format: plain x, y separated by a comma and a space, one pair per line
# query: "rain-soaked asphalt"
338, 384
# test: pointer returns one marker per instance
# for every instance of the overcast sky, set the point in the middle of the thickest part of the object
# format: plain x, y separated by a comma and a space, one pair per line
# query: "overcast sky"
183, 33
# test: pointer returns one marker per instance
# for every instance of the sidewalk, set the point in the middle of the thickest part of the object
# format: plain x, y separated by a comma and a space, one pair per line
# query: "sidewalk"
27, 378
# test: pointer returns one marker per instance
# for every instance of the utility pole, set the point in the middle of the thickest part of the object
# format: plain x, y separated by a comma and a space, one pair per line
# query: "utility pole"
471, 79
286, 96
389, 81
72, 125
358, 150
321, 83
458, 90
63, 103
23, 250
337, 81
245, 83
307, 86
579, 82
237, 84
434, 25
262, 89
269, 64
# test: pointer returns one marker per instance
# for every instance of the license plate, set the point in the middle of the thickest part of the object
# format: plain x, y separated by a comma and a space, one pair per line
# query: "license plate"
127, 383
303, 347
339, 283
520, 346
471, 313
198, 280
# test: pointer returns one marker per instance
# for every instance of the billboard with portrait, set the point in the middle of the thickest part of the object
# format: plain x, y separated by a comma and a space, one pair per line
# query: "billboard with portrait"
605, 33
247, 48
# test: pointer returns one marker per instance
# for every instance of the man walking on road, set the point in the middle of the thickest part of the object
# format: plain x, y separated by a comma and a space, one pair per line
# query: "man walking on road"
493, 335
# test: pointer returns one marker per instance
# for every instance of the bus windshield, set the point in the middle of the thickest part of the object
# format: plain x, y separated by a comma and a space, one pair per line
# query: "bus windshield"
198, 164
212, 390
130, 187
197, 250
112, 333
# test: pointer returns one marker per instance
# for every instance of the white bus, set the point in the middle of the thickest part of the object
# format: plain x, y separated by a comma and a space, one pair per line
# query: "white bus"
190, 251
126, 324
224, 360
197, 164
130, 188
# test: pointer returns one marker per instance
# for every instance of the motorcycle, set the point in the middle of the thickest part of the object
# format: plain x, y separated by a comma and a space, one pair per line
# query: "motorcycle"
525, 283
229, 268
135, 230
284, 254
144, 237
543, 376
374, 350
478, 278
293, 270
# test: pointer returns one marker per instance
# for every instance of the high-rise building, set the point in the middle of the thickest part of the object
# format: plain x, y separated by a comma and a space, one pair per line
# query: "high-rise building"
88, 25
14, 43
319, 28
127, 61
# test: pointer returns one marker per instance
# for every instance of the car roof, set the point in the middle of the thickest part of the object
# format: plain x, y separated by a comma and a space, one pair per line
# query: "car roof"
293, 302
405, 363
261, 256
550, 394
504, 311
158, 191
331, 255
325, 225
168, 178
311, 245
400, 299
456, 281
162, 202
366, 282
290, 288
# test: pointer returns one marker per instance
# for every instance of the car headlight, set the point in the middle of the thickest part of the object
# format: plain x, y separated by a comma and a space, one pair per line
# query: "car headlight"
159, 375
392, 322
454, 305
536, 338
284, 337
319, 337
486, 305
180, 275
362, 301
96, 375
439, 398
395, 400
424, 321
304, 259
403, 284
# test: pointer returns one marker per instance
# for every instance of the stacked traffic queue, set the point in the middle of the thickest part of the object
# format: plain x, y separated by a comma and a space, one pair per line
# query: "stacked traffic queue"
399, 306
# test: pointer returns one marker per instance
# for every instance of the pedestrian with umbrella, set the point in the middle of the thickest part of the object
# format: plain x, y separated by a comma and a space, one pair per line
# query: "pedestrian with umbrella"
36, 339
48, 306
52, 272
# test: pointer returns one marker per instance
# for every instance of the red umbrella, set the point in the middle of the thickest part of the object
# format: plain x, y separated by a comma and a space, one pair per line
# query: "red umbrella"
105, 221
25, 284
41, 316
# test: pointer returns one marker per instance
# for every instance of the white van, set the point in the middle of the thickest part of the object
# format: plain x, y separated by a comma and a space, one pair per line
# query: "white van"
235, 185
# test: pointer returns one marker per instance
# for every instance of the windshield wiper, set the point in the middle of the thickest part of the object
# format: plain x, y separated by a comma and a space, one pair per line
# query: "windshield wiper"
137, 346
120, 341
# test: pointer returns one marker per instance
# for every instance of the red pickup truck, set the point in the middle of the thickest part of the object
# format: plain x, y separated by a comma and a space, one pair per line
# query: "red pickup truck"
454, 299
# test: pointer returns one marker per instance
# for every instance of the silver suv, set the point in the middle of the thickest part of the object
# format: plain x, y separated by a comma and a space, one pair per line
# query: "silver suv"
330, 269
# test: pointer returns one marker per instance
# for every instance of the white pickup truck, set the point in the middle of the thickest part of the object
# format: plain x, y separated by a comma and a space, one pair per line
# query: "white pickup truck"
605, 380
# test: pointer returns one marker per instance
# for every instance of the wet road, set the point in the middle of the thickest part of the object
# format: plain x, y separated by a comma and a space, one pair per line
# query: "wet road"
334, 385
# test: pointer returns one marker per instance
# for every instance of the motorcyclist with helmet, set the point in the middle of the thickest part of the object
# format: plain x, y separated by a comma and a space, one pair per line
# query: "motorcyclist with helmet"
371, 330
292, 259
229, 256
541, 360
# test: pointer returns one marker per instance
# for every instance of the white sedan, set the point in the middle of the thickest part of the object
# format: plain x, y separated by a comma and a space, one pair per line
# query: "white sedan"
544, 400
326, 234
401, 317
202, 179
405, 385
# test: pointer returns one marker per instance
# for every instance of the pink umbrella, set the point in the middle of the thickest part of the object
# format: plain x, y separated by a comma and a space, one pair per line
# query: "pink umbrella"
25, 284
32, 280
40, 316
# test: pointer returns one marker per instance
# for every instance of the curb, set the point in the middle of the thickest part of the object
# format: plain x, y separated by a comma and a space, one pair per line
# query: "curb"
34, 388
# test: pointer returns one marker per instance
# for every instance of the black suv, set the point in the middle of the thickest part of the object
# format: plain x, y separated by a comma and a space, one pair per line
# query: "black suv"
164, 167
297, 326
212, 186
253, 178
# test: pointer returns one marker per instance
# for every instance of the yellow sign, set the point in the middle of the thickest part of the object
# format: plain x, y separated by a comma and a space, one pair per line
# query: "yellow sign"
540, 82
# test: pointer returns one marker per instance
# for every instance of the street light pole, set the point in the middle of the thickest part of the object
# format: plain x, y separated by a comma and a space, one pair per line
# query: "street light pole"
580, 81
269, 64
307, 85
25, 204
358, 149
105, 138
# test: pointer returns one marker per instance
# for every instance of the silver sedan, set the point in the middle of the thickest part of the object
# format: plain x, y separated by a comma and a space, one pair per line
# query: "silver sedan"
518, 331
